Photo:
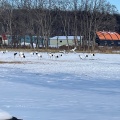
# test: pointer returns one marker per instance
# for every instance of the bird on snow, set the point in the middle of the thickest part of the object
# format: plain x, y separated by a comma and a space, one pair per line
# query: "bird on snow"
15, 54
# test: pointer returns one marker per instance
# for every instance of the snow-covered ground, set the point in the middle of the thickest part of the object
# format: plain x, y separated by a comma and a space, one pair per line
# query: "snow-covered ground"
64, 88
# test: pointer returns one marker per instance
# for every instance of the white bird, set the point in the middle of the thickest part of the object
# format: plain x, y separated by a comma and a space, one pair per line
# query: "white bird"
32, 53
21, 54
83, 56
39, 56
56, 56
60, 55
92, 55
36, 53
50, 55
4, 51
73, 50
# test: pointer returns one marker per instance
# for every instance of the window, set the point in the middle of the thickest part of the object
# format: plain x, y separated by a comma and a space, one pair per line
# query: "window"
118, 43
105, 42
112, 42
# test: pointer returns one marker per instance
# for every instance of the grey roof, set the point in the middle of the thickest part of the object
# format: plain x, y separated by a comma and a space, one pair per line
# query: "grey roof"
64, 37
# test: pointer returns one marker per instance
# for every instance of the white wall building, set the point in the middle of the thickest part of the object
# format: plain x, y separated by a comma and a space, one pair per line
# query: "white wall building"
58, 41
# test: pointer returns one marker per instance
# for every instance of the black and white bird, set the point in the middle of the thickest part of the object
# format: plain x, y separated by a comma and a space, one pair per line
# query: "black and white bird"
21, 54
50, 55
4, 51
36, 53
15, 54
6, 116
92, 55
83, 56
56, 56
32, 53
39, 56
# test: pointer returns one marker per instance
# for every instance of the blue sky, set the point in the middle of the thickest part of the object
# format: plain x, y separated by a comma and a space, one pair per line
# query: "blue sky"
116, 3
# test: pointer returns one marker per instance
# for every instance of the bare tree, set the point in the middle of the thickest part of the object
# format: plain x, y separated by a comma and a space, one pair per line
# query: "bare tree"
65, 17
43, 14
94, 13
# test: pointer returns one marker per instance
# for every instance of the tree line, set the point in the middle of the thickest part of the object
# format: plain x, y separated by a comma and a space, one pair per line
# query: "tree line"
47, 18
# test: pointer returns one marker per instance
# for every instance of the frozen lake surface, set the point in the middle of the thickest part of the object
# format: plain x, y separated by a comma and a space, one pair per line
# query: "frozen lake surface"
64, 88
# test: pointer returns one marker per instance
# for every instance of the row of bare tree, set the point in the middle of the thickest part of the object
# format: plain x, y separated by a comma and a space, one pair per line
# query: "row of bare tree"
48, 18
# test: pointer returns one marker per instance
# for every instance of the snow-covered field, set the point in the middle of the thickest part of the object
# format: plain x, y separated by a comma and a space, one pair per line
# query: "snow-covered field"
64, 88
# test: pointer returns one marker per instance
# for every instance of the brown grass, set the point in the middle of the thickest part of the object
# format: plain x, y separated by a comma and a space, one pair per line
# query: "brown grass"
98, 49
12, 62
30, 50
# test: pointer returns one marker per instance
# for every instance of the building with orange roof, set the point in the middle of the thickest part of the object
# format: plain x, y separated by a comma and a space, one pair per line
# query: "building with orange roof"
105, 38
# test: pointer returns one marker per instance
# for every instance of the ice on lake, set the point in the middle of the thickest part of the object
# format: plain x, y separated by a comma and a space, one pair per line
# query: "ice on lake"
64, 88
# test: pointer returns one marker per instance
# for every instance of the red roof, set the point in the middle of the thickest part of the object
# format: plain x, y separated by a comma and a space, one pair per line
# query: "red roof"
4, 37
108, 35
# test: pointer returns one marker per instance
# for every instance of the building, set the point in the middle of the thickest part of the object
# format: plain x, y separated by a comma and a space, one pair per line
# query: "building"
3, 39
108, 38
58, 41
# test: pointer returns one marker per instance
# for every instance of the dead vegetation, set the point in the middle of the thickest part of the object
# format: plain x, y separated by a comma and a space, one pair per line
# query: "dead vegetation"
12, 62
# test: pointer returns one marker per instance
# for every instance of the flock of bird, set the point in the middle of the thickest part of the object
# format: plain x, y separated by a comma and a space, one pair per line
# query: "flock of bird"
22, 54
51, 55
